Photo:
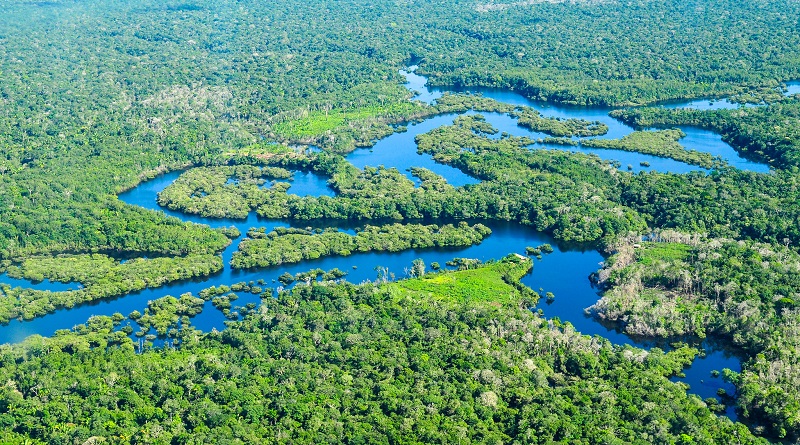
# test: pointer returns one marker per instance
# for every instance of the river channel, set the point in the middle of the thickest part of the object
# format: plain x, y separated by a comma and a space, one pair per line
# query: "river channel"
565, 272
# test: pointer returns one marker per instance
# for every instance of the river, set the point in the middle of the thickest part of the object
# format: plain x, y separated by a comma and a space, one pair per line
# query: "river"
565, 272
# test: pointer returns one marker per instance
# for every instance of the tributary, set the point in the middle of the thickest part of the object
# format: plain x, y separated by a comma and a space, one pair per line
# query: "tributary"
565, 272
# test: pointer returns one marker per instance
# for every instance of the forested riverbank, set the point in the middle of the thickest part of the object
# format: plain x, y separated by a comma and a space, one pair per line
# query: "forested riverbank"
282, 246
98, 98
745, 292
391, 360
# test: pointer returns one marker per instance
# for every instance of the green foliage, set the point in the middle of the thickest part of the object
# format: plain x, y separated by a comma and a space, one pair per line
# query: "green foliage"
285, 246
769, 134
572, 52
663, 143
198, 89
357, 364
99, 271
570, 196
538, 251
98, 96
164, 313
745, 292
319, 122
534, 121
726, 203
493, 283
222, 192
657, 253
344, 130
207, 91
97, 277
556, 192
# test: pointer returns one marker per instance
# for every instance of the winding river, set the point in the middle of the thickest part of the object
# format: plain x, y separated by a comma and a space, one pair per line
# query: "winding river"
565, 272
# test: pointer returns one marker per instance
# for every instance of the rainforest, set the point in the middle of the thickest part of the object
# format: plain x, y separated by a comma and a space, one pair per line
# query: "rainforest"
399, 222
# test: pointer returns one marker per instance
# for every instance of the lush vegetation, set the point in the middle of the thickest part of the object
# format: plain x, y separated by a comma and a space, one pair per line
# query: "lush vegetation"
662, 143
408, 362
492, 283
100, 271
284, 246
555, 192
96, 277
229, 192
667, 51
769, 134
166, 315
746, 292
99, 96
725, 203
570, 196
534, 121
197, 87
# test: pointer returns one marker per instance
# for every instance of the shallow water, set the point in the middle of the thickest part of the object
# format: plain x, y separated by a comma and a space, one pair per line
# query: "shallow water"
792, 88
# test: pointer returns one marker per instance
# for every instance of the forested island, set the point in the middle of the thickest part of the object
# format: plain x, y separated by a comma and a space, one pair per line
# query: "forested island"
279, 287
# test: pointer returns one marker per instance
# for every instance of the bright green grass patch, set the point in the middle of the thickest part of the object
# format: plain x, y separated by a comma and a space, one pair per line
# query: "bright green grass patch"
490, 283
317, 123
662, 252
263, 149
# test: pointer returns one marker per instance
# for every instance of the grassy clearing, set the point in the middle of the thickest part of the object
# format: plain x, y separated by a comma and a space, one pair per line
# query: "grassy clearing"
317, 123
489, 283
656, 253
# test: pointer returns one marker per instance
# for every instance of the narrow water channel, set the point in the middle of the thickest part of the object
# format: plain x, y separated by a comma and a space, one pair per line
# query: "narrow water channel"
695, 139
565, 272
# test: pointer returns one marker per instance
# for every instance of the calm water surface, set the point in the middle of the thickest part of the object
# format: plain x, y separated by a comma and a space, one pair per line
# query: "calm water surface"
695, 139
565, 272
793, 88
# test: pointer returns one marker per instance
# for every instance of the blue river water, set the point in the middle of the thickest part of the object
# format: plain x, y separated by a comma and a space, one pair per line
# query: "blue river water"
695, 139
565, 272
792, 88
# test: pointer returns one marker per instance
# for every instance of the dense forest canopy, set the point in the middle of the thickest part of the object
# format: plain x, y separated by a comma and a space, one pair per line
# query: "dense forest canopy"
407, 362
114, 90
97, 97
